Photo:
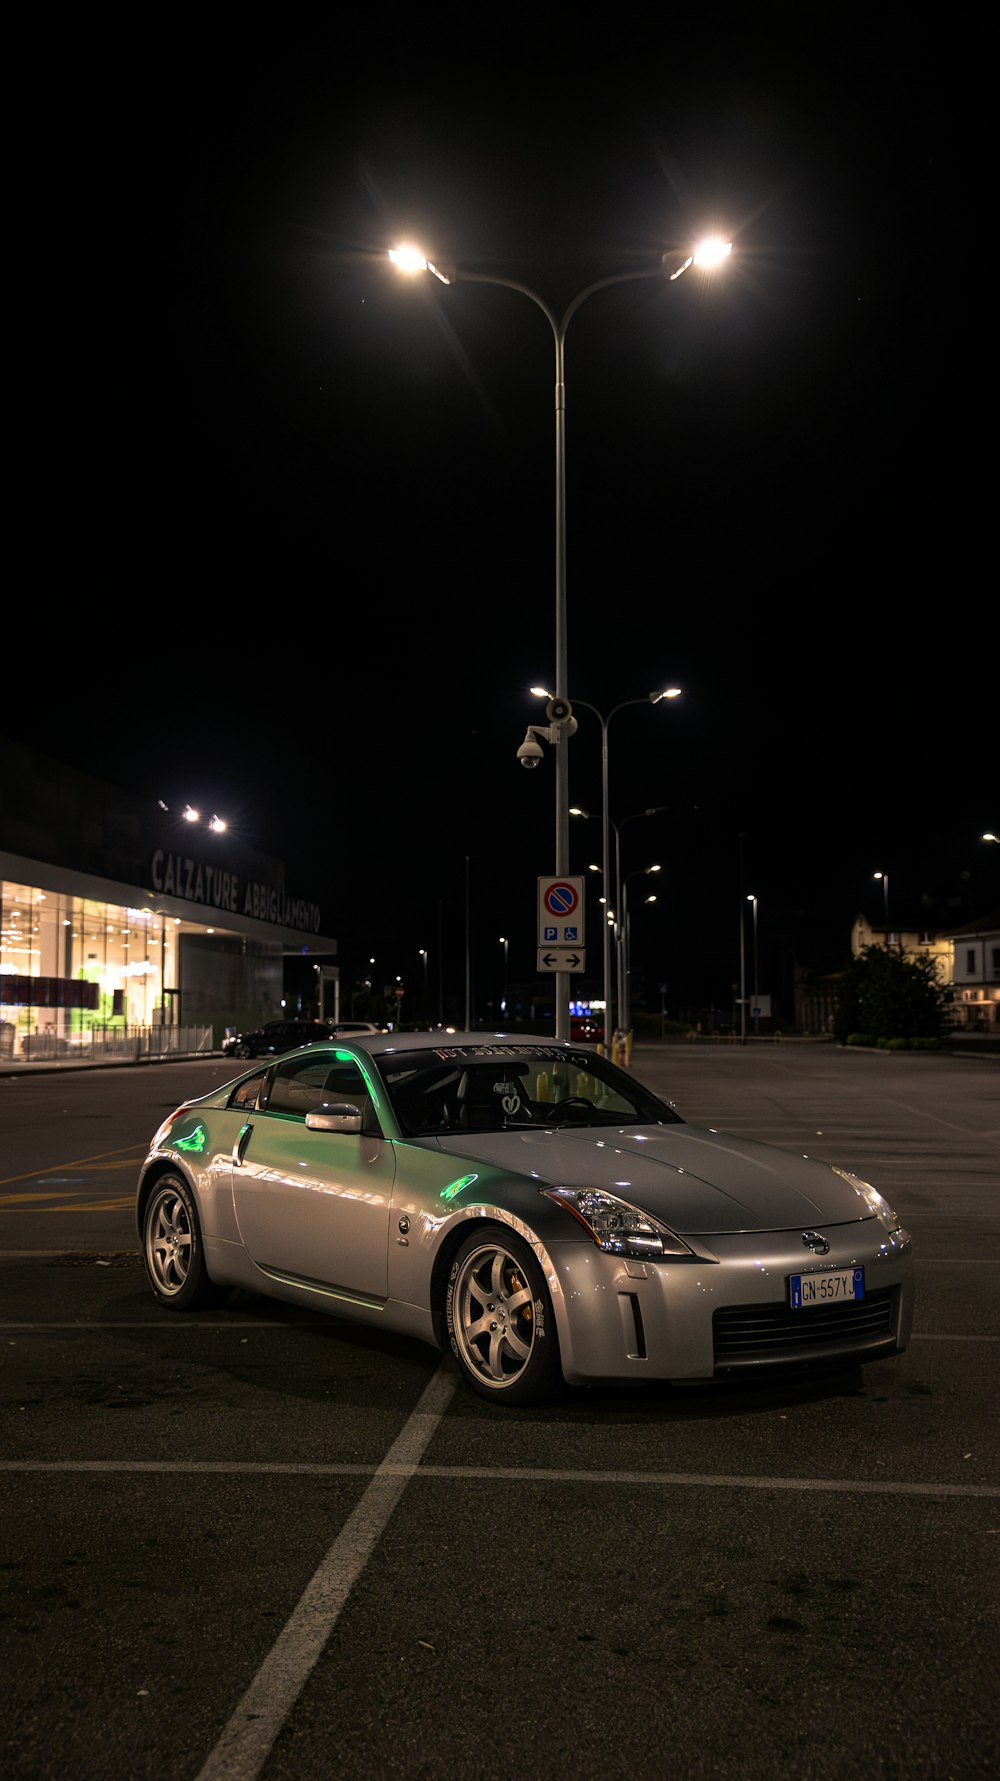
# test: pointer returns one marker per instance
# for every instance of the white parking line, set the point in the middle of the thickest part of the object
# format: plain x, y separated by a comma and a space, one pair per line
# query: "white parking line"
246, 1742
499, 1474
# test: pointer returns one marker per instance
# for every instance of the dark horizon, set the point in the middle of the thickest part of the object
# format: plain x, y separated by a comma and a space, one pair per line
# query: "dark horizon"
303, 509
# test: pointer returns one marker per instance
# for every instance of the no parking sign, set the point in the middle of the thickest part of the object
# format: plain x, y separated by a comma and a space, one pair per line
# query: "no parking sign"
560, 912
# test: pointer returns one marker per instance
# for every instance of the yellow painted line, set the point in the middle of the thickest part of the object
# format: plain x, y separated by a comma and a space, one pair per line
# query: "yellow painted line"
60, 1193
125, 1162
126, 1153
12, 1202
126, 1205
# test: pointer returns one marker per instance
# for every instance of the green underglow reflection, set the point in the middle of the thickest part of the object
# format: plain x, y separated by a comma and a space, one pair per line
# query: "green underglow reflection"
195, 1140
455, 1187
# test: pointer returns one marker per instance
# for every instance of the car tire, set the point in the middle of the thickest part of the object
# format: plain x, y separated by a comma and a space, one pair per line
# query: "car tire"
242, 1051
173, 1250
499, 1318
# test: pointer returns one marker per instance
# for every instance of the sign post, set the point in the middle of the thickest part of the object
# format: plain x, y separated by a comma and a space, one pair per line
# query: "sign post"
561, 924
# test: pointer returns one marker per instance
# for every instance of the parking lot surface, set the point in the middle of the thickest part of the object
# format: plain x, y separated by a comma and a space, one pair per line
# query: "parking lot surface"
259, 1543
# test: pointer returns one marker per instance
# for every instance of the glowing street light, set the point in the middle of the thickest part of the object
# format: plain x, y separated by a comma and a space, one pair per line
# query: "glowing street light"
409, 258
217, 824
885, 899
708, 254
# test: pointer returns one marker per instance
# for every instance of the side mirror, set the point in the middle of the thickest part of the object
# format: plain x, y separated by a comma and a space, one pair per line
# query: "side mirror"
336, 1116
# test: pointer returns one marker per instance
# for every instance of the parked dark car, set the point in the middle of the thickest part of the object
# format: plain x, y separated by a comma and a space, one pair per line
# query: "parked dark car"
277, 1036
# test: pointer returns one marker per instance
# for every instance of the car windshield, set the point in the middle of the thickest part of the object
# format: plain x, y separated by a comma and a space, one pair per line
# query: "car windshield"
492, 1088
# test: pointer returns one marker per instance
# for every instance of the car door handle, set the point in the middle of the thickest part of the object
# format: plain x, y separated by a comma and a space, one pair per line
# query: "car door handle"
240, 1146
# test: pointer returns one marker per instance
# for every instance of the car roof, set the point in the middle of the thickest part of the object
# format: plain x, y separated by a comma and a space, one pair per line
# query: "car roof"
447, 1037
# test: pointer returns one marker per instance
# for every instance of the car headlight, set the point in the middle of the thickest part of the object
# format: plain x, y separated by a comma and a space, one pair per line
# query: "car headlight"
615, 1226
877, 1205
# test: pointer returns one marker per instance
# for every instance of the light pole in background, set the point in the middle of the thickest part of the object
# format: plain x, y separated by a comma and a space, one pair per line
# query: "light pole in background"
423, 959
503, 1005
624, 1002
670, 692
612, 911
468, 952
756, 987
708, 255
885, 900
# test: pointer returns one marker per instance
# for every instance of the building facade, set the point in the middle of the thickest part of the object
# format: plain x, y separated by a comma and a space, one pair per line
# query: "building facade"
966, 961
118, 913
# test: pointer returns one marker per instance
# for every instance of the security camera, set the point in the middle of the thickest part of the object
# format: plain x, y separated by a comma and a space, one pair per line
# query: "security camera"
530, 752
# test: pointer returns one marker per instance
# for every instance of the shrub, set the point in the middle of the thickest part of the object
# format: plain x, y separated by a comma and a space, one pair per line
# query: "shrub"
891, 995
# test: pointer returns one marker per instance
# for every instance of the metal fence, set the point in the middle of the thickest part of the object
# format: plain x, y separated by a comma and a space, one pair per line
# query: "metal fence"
110, 1044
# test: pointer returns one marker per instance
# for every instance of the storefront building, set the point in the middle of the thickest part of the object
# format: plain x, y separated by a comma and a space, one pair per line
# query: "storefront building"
121, 916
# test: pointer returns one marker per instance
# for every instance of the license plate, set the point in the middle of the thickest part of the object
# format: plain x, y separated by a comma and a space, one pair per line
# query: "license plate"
832, 1287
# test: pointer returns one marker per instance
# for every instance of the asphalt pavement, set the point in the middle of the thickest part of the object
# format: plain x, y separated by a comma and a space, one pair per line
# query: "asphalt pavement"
264, 1544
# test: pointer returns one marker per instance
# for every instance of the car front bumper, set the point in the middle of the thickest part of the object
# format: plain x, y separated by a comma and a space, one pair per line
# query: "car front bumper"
705, 1320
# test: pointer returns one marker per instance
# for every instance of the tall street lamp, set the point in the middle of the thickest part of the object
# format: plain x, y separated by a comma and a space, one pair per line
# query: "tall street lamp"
624, 1004
708, 255
503, 1006
756, 999
670, 692
885, 899
611, 913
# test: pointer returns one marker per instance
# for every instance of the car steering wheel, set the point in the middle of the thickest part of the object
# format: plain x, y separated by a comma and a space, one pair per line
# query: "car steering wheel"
561, 1106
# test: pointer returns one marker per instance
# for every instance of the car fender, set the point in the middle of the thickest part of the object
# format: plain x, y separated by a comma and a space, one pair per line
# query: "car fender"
422, 1246
210, 1179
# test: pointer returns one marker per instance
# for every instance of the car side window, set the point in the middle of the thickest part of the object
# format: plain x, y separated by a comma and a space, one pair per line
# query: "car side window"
302, 1084
247, 1092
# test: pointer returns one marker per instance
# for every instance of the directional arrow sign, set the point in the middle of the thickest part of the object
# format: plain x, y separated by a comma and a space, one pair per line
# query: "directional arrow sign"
562, 958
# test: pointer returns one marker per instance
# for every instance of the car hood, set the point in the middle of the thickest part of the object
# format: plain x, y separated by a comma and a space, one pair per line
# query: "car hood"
695, 1180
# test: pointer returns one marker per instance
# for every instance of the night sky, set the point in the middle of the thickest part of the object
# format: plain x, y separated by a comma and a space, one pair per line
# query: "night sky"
298, 511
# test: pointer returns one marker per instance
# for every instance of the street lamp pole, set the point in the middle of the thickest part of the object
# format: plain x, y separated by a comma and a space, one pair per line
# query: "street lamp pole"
756, 998
885, 900
623, 1009
670, 692
503, 1006
624, 1001
708, 254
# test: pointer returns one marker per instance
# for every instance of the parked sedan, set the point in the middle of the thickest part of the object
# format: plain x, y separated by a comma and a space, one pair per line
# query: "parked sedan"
276, 1036
526, 1203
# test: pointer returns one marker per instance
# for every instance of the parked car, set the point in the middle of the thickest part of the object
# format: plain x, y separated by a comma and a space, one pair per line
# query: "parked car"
277, 1036
527, 1203
588, 1027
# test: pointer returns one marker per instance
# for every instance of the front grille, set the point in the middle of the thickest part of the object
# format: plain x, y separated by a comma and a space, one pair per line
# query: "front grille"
746, 1335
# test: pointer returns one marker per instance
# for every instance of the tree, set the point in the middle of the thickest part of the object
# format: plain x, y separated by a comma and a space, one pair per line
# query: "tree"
890, 995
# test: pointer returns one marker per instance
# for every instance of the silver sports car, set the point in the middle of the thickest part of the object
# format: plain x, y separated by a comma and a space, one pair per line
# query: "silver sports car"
526, 1202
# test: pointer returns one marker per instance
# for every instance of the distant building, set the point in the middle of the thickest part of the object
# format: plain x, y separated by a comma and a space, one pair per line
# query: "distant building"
115, 912
975, 975
967, 962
